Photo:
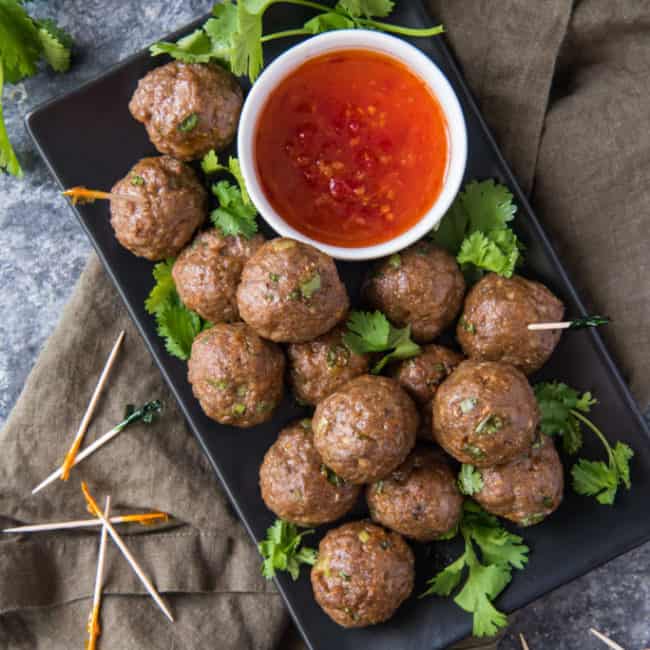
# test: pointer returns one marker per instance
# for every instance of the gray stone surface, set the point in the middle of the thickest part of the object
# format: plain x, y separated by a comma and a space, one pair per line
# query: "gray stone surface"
44, 250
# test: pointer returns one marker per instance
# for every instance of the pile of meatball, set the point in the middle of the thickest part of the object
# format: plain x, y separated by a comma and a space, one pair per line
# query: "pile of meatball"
280, 305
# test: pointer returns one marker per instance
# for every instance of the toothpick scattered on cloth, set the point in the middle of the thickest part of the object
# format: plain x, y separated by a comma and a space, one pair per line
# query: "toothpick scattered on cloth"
94, 509
93, 620
524, 645
575, 324
144, 518
69, 459
606, 640
144, 413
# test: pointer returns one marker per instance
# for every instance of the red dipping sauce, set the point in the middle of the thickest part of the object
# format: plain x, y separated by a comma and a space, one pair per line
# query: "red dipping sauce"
352, 148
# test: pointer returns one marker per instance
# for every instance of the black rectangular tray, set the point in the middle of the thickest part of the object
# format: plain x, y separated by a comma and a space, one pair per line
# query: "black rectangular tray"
87, 137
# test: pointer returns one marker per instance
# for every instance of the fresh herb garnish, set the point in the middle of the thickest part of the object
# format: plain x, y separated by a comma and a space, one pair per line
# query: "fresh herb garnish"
24, 42
136, 180
476, 230
488, 574
563, 411
233, 35
233, 216
177, 324
331, 476
466, 325
470, 480
588, 321
309, 287
372, 332
395, 261
489, 424
468, 405
281, 550
189, 123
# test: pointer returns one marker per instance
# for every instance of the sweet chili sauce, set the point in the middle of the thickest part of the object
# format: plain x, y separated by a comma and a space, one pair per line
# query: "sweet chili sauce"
351, 148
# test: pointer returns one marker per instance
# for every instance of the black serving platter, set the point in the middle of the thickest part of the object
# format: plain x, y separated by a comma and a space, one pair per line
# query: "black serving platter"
87, 137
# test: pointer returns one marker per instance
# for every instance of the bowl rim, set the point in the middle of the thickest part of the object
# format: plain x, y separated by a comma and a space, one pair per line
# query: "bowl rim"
355, 39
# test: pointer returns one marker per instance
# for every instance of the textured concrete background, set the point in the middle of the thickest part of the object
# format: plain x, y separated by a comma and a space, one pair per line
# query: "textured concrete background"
44, 250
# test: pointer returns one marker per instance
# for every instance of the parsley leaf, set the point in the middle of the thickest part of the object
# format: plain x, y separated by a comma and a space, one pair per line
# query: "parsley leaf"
56, 45
476, 229
470, 480
281, 550
372, 332
233, 216
487, 576
177, 324
562, 411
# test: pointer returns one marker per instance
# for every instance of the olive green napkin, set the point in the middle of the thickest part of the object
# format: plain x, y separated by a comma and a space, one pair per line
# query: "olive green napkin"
584, 160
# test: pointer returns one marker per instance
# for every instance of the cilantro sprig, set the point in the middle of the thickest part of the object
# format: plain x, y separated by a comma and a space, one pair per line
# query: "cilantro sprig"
24, 42
177, 324
491, 552
282, 550
476, 230
470, 480
563, 410
234, 37
372, 332
235, 214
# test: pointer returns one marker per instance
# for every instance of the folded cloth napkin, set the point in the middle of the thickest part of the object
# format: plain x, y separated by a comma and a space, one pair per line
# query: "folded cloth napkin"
583, 159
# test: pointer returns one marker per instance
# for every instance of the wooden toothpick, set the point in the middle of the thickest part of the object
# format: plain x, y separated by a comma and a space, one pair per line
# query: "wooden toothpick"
144, 519
94, 509
69, 459
93, 620
575, 324
606, 640
144, 413
524, 645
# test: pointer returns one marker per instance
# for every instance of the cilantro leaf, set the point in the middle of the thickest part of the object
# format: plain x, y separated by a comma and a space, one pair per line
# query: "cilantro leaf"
56, 45
8, 160
281, 550
470, 480
179, 327
328, 22
246, 56
164, 289
372, 332
486, 576
193, 48
563, 411
20, 47
234, 216
367, 8
177, 324
476, 230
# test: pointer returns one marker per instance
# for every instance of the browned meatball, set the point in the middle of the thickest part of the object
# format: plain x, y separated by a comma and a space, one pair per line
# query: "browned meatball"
527, 489
188, 108
207, 273
365, 429
291, 292
494, 324
297, 486
169, 205
321, 366
363, 574
420, 499
236, 376
421, 286
421, 375
485, 413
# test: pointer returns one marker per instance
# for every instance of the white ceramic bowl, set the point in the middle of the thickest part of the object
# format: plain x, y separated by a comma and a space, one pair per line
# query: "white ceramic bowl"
355, 39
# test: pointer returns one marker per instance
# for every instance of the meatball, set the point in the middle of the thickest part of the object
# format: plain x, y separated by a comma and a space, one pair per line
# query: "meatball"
485, 413
421, 375
365, 429
323, 365
169, 204
207, 274
422, 287
420, 499
291, 292
188, 108
236, 376
297, 486
494, 325
363, 574
527, 489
